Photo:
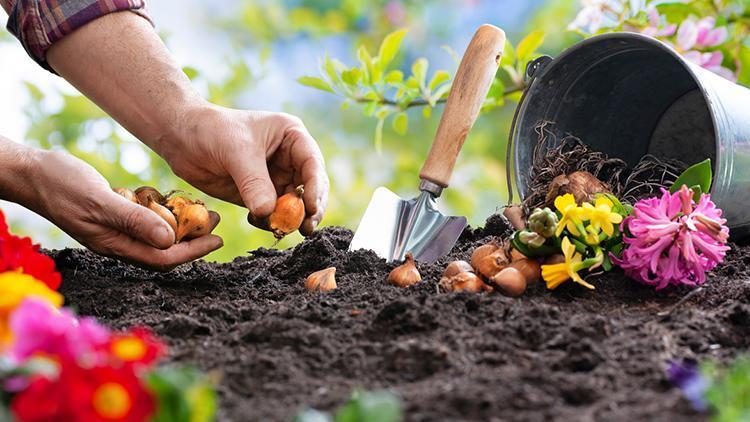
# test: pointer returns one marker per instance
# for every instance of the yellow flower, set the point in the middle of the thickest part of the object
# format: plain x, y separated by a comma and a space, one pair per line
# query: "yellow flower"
14, 288
592, 235
571, 214
556, 274
600, 215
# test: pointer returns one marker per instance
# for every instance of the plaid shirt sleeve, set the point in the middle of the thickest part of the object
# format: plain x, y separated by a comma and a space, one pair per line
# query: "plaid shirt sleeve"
40, 23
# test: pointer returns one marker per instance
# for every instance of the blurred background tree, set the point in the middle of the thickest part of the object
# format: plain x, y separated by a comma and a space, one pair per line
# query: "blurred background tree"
377, 129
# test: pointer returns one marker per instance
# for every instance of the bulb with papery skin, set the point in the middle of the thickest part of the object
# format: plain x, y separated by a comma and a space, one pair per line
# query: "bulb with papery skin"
289, 213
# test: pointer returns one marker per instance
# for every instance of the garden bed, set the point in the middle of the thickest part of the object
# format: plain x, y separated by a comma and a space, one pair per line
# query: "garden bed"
568, 354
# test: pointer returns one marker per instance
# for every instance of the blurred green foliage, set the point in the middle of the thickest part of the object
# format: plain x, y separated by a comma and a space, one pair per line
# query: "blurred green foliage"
364, 406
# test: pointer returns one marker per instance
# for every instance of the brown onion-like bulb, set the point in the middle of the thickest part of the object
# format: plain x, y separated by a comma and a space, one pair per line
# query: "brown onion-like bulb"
510, 282
289, 213
322, 281
406, 274
193, 221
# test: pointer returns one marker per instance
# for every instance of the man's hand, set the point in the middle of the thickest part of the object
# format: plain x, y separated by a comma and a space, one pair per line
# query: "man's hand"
250, 158
73, 196
244, 157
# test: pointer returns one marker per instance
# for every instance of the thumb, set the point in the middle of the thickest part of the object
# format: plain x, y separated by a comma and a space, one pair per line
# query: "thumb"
254, 184
139, 222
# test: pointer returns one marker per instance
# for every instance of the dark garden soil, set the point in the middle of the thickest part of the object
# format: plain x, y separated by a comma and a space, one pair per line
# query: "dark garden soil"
570, 354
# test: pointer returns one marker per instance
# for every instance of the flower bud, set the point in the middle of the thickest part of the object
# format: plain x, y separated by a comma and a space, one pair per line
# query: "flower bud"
531, 239
543, 221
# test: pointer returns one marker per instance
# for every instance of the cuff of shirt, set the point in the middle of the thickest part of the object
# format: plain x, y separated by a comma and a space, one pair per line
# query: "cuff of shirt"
40, 23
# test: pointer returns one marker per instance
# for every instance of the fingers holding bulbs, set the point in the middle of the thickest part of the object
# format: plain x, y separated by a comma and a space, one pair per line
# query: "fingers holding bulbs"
188, 219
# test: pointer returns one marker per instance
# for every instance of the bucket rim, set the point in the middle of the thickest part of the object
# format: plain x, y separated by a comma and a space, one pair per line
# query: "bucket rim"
622, 35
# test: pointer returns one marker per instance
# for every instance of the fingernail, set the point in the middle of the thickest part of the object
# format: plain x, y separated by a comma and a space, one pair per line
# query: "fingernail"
161, 235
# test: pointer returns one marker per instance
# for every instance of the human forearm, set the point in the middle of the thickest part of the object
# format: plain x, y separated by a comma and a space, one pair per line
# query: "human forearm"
120, 63
15, 162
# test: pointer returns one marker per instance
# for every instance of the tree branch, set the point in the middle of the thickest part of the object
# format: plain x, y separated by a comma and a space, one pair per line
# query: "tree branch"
422, 102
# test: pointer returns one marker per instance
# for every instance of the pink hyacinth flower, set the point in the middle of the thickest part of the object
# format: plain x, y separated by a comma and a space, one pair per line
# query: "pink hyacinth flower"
39, 329
673, 240
693, 37
657, 25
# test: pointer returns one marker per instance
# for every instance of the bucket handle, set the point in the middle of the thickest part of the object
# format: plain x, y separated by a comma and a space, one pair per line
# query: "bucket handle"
533, 69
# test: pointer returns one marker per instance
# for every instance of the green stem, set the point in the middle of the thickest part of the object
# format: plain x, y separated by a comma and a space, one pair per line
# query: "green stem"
423, 102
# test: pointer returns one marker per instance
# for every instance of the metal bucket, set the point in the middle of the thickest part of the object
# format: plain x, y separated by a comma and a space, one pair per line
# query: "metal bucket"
629, 95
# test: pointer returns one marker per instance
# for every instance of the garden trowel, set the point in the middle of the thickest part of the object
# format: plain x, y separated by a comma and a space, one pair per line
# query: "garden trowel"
393, 226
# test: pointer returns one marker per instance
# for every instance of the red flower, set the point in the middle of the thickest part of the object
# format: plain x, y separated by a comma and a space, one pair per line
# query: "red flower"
85, 395
138, 346
20, 254
3, 225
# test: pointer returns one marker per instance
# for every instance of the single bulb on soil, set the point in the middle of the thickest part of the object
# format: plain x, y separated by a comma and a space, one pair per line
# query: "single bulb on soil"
127, 194
464, 282
514, 214
481, 252
457, 267
515, 255
530, 269
493, 263
406, 274
510, 282
289, 213
193, 221
322, 281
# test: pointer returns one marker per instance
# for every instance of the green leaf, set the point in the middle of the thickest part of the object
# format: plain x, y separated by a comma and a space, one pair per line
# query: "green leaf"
697, 175
367, 65
191, 72
509, 55
438, 78
371, 407
315, 82
419, 70
351, 76
744, 59
183, 394
427, 112
34, 91
394, 77
390, 46
676, 11
379, 136
369, 108
607, 263
401, 123
529, 45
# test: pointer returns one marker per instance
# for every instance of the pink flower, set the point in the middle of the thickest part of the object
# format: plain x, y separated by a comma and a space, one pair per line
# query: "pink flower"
695, 36
657, 25
672, 240
597, 14
38, 328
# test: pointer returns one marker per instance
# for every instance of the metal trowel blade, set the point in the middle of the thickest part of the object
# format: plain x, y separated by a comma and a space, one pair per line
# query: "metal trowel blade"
392, 226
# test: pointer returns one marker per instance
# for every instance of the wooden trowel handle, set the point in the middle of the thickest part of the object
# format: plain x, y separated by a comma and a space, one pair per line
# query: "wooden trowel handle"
470, 87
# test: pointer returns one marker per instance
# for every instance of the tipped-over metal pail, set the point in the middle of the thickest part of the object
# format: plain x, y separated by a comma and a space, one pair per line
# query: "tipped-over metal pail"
629, 95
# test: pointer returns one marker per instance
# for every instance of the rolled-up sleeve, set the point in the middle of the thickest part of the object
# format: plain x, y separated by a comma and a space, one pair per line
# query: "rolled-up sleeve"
40, 23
